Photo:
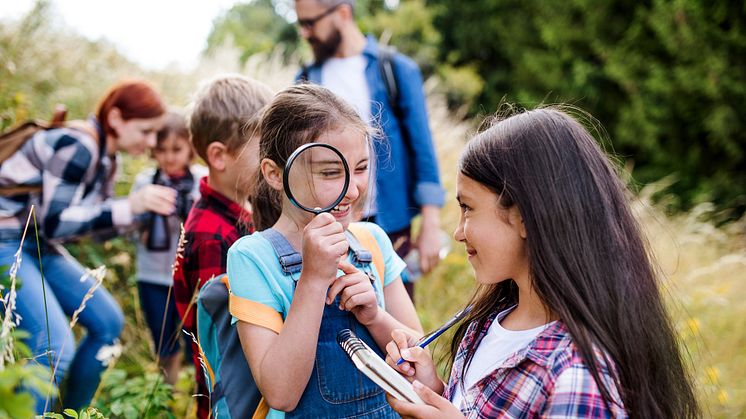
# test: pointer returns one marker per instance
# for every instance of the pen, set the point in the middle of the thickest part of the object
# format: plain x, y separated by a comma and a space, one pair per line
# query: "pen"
425, 340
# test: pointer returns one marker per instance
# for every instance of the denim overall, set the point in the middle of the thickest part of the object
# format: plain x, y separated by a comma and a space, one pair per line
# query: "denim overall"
336, 387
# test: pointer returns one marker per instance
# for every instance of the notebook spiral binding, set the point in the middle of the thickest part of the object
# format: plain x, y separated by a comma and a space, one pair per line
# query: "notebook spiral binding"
375, 368
349, 342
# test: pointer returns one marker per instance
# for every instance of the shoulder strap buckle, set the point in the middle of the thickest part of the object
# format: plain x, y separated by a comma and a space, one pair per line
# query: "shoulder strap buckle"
290, 260
360, 255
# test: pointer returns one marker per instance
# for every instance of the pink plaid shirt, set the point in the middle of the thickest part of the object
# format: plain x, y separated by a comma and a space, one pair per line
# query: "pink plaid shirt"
548, 378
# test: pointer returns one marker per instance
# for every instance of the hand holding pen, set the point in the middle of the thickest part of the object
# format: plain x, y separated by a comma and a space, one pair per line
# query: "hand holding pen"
428, 338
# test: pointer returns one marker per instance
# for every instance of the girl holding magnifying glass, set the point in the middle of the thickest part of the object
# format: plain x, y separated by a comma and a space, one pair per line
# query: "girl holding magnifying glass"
288, 332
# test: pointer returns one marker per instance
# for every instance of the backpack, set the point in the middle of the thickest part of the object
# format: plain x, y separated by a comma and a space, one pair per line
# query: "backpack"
233, 391
12, 140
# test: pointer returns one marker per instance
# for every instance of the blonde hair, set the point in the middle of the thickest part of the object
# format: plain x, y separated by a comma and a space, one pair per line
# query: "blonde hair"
226, 109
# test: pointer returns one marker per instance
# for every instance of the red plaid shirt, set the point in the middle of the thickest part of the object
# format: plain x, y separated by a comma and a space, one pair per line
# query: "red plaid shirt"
210, 229
547, 378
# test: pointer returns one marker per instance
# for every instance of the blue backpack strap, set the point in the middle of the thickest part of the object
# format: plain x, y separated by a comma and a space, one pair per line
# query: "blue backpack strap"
360, 255
290, 260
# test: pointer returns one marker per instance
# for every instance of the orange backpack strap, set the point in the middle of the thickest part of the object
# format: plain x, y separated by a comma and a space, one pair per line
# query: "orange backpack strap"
251, 311
369, 242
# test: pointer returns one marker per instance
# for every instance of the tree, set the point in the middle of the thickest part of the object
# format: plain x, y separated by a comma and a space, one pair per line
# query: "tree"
664, 77
251, 28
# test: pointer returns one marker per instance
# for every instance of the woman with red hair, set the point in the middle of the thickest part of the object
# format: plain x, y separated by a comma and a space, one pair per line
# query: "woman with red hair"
67, 173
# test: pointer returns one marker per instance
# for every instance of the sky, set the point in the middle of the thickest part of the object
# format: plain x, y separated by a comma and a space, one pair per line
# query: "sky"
153, 33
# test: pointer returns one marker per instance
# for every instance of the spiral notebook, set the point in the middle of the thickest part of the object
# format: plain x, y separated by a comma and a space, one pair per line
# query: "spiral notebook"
375, 368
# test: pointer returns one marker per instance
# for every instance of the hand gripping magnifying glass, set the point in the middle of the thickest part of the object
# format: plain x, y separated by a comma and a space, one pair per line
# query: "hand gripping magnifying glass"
316, 177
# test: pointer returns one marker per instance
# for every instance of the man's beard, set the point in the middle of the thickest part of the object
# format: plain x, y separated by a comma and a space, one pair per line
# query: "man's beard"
322, 50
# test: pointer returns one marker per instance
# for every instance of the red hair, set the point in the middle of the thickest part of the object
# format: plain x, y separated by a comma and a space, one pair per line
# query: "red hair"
134, 99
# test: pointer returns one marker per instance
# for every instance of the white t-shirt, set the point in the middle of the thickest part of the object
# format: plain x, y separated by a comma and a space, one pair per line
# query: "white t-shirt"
345, 77
494, 349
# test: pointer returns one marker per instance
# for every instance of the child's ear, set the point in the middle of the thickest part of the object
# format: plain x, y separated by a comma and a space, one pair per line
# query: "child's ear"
216, 155
272, 173
522, 229
516, 220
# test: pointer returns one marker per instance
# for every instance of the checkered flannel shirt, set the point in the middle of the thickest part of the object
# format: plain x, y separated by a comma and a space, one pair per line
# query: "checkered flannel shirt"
548, 378
213, 224
77, 180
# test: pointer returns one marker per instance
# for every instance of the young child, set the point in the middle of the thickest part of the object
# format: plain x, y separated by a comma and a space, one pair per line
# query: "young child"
298, 313
224, 110
569, 320
159, 238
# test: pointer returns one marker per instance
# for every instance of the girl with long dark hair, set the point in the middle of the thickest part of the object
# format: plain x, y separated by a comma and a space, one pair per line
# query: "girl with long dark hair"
569, 320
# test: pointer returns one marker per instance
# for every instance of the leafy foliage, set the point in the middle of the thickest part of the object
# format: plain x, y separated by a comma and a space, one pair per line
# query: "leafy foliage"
30, 90
87, 413
660, 75
132, 397
16, 380
251, 27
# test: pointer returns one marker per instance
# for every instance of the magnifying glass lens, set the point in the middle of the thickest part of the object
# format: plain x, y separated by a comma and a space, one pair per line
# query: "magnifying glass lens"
317, 178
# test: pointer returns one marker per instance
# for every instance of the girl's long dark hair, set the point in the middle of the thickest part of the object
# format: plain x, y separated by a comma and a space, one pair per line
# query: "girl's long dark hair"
588, 259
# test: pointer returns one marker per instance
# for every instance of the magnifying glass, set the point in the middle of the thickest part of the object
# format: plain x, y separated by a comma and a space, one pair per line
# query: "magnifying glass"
316, 177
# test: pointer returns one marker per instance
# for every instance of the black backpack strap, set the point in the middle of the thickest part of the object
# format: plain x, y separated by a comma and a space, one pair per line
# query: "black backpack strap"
303, 78
290, 260
386, 67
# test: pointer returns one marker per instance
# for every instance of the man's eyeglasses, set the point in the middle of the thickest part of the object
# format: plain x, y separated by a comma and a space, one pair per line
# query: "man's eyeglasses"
308, 24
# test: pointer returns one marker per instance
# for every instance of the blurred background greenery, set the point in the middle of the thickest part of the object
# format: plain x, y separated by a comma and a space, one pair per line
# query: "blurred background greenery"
665, 78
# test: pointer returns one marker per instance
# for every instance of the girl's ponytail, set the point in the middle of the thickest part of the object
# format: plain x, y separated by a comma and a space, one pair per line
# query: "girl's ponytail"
266, 204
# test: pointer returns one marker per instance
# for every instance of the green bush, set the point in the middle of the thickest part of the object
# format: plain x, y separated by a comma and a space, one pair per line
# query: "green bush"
664, 77
133, 397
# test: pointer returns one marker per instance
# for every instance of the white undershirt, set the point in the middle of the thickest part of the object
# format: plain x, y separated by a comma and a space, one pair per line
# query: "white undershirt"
494, 349
345, 77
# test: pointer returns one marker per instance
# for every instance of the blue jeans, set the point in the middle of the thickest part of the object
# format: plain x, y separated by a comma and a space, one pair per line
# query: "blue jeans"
163, 321
102, 318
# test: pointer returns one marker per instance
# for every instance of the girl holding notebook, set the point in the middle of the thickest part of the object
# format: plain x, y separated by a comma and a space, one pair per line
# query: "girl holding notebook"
288, 332
569, 319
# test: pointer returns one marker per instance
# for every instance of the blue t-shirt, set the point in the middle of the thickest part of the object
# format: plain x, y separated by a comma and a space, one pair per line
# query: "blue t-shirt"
255, 274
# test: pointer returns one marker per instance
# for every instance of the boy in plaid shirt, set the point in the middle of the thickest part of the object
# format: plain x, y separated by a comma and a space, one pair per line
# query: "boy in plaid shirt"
222, 124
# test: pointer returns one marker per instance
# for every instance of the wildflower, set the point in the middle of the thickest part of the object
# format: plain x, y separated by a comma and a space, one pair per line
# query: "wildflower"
108, 353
